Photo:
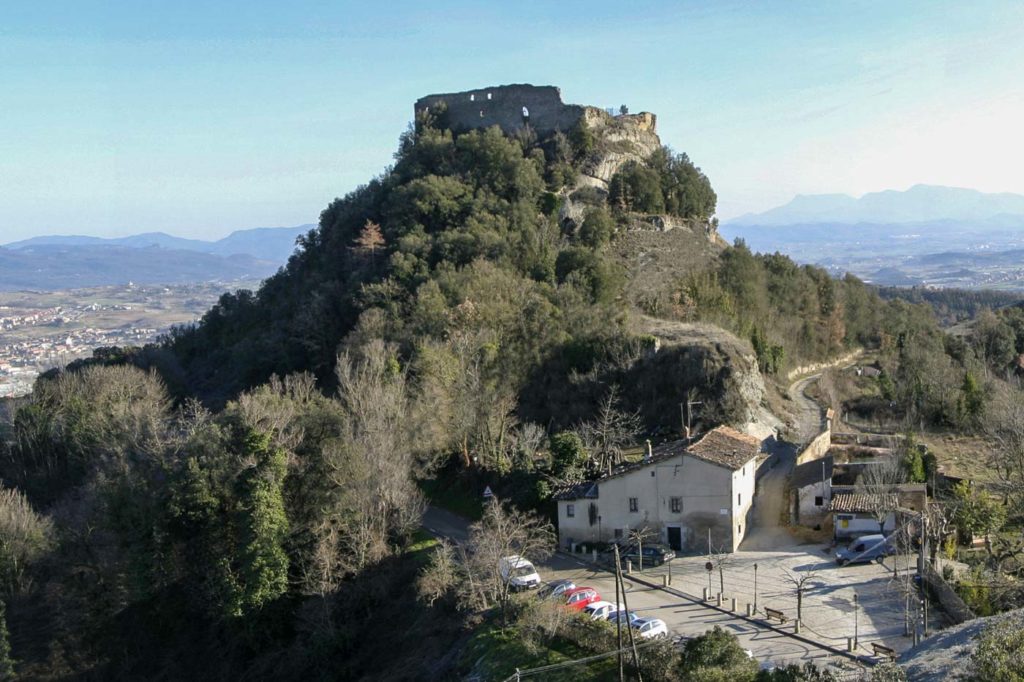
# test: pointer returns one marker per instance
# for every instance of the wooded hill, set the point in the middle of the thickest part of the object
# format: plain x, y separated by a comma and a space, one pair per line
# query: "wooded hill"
249, 509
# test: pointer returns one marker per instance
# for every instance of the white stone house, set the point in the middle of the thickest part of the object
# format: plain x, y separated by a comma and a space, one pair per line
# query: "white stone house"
678, 492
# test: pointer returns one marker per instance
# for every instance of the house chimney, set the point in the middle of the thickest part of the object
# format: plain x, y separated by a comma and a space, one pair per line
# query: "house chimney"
648, 454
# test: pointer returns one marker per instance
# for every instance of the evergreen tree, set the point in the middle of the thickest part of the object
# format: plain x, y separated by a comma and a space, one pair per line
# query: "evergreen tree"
6, 661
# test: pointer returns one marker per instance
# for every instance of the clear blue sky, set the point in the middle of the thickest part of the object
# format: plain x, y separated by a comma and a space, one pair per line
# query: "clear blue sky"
198, 118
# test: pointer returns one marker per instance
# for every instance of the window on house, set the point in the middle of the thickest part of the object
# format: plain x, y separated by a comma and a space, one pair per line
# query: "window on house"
488, 95
634, 504
739, 529
472, 97
739, 499
819, 501
570, 510
675, 504
618, 533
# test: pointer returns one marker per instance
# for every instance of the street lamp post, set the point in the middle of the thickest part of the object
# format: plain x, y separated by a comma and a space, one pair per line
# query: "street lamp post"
755, 588
856, 628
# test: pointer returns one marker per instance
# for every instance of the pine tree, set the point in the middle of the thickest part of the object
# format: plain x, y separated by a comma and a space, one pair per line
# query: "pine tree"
371, 237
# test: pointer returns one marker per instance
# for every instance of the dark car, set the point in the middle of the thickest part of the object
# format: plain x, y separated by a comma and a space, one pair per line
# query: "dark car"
654, 554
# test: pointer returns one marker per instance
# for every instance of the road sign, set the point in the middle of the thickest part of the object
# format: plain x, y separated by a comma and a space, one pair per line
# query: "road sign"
709, 567
487, 493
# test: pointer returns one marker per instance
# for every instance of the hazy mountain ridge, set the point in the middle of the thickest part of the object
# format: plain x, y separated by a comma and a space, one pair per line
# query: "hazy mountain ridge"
68, 261
265, 243
56, 266
920, 203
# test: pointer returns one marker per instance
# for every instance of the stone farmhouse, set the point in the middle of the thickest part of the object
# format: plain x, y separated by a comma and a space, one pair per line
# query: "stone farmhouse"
679, 492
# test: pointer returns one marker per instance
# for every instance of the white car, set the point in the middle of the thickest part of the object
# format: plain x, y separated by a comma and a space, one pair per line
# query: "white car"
518, 573
600, 610
648, 628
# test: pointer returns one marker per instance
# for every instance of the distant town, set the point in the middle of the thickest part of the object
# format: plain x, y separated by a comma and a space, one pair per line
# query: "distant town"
42, 330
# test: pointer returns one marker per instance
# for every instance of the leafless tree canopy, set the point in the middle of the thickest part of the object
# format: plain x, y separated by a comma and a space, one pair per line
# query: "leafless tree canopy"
612, 428
879, 484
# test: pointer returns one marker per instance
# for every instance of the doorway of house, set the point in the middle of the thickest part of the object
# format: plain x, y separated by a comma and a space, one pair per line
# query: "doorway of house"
675, 537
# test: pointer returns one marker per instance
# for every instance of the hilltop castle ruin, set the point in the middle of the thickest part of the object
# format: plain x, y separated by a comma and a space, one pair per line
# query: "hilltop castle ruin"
512, 107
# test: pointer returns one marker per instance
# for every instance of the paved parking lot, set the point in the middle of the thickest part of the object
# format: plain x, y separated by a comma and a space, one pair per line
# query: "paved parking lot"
828, 612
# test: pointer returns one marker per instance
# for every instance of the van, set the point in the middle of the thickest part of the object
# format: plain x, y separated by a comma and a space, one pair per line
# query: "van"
518, 573
864, 549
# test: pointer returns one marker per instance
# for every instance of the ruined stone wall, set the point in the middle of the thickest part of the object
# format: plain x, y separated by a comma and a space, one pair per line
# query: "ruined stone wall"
503, 106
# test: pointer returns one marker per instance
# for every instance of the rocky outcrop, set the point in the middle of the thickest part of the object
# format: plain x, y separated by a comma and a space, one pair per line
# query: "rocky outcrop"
618, 140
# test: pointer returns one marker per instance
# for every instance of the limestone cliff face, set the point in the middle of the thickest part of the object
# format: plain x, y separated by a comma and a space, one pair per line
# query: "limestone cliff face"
619, 139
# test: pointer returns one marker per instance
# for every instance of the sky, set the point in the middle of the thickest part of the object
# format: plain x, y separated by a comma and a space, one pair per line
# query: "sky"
200, 118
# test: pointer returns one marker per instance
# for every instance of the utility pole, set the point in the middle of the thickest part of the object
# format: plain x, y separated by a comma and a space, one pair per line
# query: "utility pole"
625, 605
618, 621
689, 416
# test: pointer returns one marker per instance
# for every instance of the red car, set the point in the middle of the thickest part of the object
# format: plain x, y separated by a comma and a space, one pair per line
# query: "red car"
579, 597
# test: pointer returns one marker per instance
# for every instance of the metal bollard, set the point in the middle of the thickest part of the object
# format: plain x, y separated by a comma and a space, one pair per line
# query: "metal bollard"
593, 553
796, 626
750, 610
719, 598
849, 644
707, 596
629, 567
664, 581
733, 609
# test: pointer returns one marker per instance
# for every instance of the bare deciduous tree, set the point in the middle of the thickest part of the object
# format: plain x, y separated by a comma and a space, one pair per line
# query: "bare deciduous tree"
503, 531
441, 575
609, 431
878, 485
800, 580
24, 537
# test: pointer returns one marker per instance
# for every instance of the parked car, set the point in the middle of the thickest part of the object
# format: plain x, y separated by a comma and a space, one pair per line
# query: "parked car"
555, 589
653, 554
648, 628
600, 610
627, 617
864, 549
578, 597
518, 573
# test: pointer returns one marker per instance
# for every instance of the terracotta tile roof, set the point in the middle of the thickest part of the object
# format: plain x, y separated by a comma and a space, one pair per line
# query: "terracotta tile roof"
853, 503
576, 491
725, 446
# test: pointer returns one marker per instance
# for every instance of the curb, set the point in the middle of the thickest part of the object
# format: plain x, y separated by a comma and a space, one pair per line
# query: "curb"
735, 614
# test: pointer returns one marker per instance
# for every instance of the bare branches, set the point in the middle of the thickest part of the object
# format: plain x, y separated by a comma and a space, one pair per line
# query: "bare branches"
609, 431
503, 531
878, 485
800, 580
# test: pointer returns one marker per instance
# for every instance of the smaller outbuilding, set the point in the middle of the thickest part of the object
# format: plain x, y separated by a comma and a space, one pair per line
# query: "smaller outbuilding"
811, 491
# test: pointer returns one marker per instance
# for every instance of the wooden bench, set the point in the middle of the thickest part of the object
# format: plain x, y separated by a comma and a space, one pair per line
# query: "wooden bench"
776, 614
882, 650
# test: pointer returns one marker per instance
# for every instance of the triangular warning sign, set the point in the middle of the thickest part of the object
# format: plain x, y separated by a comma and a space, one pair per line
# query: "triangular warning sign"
487, 492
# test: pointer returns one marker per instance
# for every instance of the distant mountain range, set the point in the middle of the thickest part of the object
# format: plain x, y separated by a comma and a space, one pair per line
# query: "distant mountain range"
265, 243
927, 235
70, 261
920, 203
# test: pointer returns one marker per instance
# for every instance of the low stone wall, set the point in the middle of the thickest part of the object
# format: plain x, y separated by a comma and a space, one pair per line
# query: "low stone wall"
819, 366
871, 440
948, 599
816, 448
